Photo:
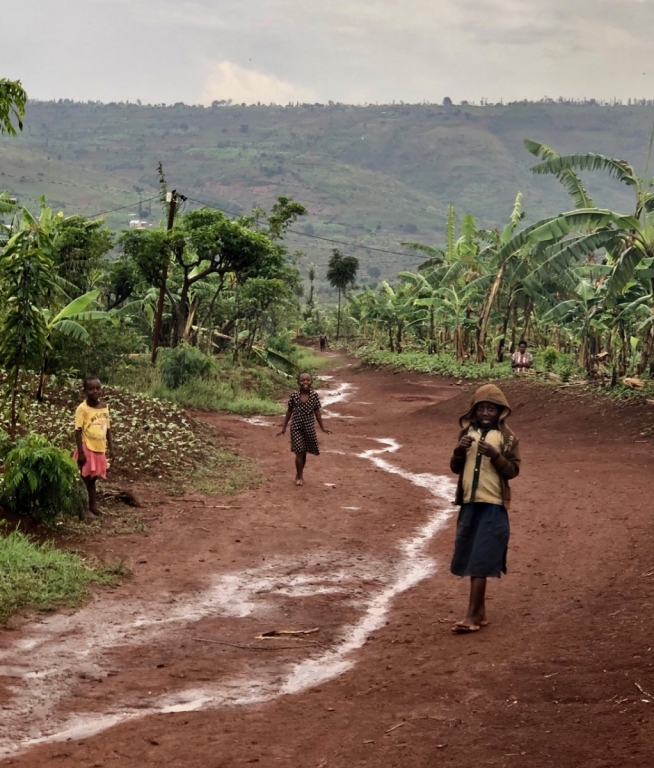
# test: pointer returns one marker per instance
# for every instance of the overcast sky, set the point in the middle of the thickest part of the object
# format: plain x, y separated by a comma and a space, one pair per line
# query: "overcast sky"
316, 50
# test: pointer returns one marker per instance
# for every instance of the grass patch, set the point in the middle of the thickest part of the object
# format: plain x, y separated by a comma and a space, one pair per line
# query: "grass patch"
41, 577
216, 395
241, 388
306, 359
245, 390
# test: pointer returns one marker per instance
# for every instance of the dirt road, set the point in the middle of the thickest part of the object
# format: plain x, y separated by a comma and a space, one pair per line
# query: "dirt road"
167, 670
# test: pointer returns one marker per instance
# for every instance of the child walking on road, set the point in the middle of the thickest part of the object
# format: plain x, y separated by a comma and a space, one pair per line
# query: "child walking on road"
486, 457
93, 438
304, 408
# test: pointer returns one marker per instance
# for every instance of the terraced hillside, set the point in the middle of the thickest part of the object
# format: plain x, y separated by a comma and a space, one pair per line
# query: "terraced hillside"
375, 176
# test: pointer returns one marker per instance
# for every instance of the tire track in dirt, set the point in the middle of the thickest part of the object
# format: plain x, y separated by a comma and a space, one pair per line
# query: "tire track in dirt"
48, 660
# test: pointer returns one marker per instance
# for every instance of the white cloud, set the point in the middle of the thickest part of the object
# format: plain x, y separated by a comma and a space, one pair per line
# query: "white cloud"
227, 80
345, 50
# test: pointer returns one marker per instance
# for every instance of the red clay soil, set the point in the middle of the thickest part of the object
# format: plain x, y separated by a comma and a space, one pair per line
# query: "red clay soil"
562, 677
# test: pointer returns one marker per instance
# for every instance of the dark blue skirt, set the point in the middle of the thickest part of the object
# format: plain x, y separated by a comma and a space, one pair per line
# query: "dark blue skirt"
482, 540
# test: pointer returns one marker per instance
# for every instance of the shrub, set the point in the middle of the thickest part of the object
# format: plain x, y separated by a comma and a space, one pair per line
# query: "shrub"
41, 480
178, 366
5, 445
550, 358
281, 343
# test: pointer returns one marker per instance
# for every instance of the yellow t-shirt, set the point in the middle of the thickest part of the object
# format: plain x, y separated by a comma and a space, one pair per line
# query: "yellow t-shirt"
489, 482
94, 423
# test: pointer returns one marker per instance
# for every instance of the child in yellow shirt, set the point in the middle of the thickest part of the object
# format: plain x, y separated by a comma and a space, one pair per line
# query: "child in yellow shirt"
93, 438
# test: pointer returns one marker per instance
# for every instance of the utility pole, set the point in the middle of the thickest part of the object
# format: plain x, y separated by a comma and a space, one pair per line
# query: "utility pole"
172, 200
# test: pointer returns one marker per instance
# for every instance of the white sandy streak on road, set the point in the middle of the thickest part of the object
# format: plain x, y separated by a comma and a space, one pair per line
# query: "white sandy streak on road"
414, 566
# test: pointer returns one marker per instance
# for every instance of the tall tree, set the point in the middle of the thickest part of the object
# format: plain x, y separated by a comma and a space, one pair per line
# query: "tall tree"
341, 274
27, 282
312, 278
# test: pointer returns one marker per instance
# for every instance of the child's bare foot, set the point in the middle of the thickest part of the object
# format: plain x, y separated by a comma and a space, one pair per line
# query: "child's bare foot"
299, 481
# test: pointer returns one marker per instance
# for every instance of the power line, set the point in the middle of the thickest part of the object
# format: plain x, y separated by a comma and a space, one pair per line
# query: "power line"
306, 234
74, 184
122, 207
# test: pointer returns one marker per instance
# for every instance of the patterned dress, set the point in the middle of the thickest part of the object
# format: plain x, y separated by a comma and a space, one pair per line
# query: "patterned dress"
303, 423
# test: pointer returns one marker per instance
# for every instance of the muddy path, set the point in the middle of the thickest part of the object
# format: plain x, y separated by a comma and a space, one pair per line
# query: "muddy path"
167, 669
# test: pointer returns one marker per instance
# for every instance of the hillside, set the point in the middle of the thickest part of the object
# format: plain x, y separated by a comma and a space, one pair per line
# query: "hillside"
375, 175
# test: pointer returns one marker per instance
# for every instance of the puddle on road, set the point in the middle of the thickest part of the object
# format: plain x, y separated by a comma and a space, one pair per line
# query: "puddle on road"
60, 646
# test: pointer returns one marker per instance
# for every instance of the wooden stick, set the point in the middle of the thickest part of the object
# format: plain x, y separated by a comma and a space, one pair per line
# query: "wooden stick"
251, 647
395, 727
273, 634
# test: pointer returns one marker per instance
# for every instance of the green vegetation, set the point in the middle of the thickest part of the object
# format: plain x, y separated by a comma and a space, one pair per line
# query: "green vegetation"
341, 274
215, 395
41, 481
442, 364
12, 106
376, 176
41, 577
578, 283
220, 298
183, 364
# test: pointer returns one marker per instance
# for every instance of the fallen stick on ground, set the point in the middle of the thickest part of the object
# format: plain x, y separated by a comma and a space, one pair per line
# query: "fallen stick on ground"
252, 647
216, 506
274, 633
200, 528
395, 727
644, 692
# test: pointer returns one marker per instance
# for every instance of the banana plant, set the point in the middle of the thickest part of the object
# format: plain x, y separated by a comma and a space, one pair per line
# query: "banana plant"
67, 322
628, 240
500, 266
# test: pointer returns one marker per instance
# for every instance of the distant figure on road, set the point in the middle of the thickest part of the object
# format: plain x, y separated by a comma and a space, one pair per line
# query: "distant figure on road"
486, 457
304, 407
323, 342
522, 361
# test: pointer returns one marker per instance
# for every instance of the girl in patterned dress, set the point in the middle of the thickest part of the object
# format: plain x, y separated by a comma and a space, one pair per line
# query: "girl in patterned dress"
304, 408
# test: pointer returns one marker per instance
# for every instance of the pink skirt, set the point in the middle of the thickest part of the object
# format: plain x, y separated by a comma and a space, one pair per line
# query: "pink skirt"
95, 464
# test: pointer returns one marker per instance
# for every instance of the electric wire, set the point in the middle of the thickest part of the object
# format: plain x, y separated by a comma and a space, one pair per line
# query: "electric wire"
122, 207
306, 234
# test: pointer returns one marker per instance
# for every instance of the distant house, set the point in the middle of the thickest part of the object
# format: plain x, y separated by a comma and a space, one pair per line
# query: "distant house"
137, 224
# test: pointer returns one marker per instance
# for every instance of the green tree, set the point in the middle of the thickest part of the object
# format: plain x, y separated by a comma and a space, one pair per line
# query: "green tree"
80, 248
67, 322
27, 283
312, 278
12, 106
207, 251
341, 274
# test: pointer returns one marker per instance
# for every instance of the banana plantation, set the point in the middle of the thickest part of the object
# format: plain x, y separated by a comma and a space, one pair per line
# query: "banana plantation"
580, 282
